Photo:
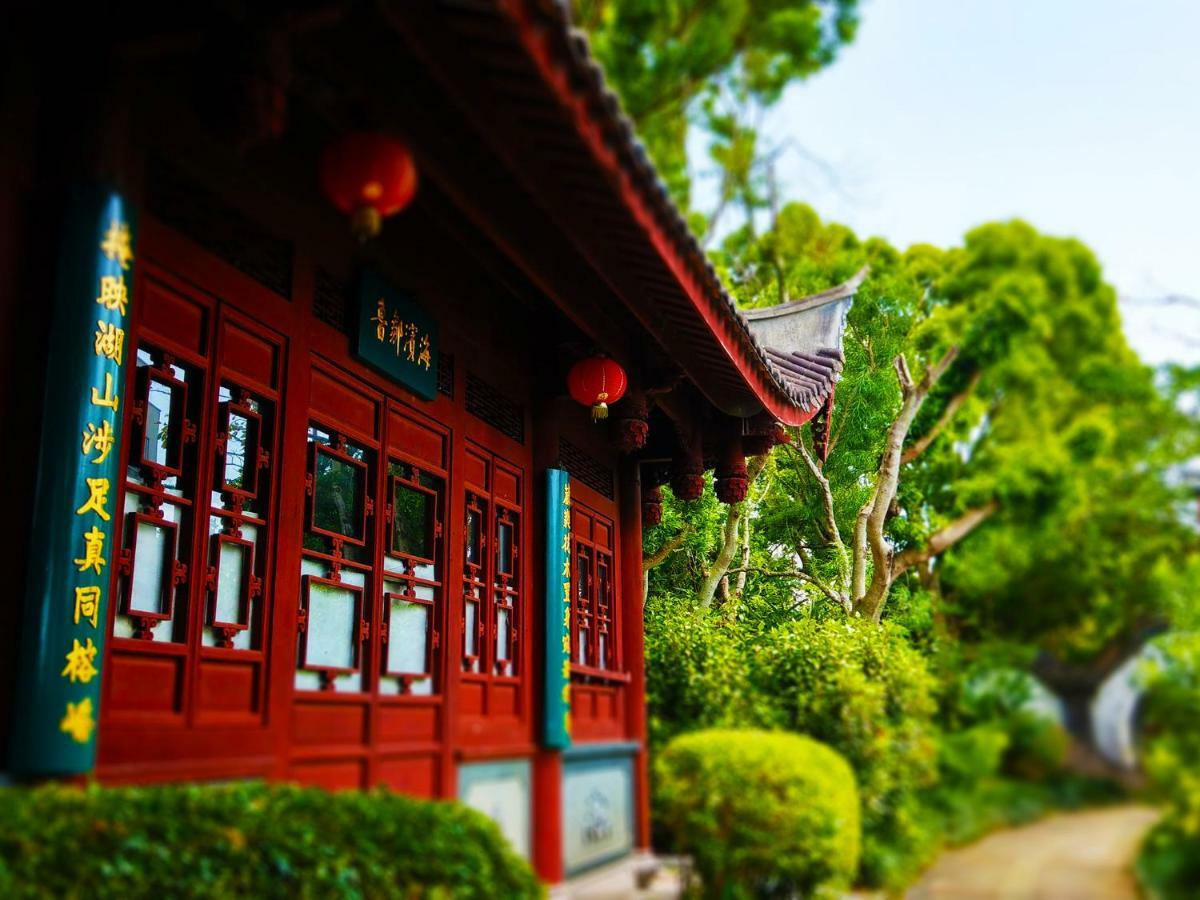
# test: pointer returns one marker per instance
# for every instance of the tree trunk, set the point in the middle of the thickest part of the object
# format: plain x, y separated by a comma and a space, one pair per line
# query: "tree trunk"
870, 605
725, 554
729, 542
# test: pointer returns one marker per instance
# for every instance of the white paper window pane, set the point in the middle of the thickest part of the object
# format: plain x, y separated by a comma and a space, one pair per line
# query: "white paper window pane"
422, 687
153, 554
408, 634
425, 570
581, 650
423, 592
603, 651
332, 626
501, 634
230, 570
470, 637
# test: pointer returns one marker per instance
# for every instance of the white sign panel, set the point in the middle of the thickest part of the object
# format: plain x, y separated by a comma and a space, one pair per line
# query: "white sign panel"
500, 790
597, 811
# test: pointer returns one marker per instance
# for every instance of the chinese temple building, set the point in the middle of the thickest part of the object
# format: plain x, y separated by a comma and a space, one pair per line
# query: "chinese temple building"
311, 320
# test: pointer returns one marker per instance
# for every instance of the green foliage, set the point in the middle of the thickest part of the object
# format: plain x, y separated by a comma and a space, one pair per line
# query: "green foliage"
672, 62
863, 690
249, 840
868, 694
697, 672
1169, 865
1037, 747
761, 813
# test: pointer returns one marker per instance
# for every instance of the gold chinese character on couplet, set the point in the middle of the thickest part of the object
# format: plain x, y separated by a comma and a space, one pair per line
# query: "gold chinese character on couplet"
100, 440
97, 499
87, 605
93, 551
113, 293
81, 662
117, 245
79, 721
109, 400
110, 341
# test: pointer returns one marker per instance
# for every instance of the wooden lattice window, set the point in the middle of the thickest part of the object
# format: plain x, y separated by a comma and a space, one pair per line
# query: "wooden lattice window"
239, 523
161, 488
492, 585
595, 644
412, 579
336, 563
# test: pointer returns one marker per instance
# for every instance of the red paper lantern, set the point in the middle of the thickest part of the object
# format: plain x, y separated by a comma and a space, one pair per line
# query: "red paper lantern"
596, 382
368, 177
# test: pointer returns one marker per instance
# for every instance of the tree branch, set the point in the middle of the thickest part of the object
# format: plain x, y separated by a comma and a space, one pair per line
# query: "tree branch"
672, 544
870, 605
942, 540
952, 407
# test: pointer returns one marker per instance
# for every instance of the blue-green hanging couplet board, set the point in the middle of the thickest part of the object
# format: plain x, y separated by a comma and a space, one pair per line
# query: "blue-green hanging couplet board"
71, 541
395, 335
557, 726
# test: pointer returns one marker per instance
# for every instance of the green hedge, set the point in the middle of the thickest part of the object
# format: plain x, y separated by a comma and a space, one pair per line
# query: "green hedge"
761, 813
867, 693
249, 840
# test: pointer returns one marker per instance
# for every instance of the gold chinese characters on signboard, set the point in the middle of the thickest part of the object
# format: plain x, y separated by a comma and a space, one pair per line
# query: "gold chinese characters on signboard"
96, 442
408, 341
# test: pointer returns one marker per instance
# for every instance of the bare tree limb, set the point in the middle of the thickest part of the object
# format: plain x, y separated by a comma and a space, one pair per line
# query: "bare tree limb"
673, 543
944, 539
952, 407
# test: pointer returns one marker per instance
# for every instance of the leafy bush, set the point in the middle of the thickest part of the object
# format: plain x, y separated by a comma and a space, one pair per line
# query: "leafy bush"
1037, 747
249, 840
761, 813
697, 671
865, 691
1169, 866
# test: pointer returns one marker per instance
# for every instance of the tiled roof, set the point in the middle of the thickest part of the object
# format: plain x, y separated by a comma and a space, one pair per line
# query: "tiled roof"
802, 370
802, 339
526, 80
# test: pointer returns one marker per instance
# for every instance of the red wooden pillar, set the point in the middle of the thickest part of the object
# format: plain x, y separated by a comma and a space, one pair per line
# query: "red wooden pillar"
547, 764
631, 598
547, 816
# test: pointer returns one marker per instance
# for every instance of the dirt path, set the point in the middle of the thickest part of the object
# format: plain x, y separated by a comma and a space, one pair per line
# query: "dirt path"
1076, 856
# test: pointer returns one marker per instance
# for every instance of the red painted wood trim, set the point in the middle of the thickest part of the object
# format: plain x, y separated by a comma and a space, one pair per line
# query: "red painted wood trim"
768, 393
630, 488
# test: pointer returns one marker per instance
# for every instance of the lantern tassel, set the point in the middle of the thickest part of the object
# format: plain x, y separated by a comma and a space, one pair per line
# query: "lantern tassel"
600, 411
366, 223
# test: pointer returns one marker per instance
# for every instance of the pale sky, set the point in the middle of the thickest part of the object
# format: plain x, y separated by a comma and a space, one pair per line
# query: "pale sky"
1080, 116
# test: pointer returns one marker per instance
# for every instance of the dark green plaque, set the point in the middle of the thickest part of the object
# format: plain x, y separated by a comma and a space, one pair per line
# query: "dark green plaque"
395, 335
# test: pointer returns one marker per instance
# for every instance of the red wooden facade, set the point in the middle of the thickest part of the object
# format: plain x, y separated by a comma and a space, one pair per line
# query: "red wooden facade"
319, 576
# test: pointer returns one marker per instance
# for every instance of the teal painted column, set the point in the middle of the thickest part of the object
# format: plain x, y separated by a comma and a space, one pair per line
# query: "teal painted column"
79, 464
556, 731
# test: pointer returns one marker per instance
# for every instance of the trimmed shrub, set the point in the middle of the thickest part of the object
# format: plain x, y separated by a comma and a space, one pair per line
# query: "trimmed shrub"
761, 813
249, 840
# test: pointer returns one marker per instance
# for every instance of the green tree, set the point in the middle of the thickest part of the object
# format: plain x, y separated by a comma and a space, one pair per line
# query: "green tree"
682, 63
